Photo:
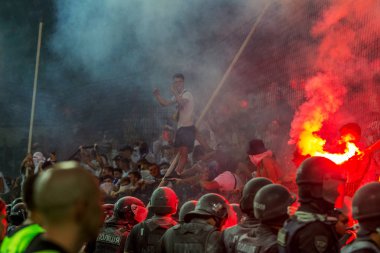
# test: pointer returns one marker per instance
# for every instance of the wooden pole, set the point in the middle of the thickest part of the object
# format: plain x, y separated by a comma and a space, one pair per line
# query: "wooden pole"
232, 64
35, 88
222, 81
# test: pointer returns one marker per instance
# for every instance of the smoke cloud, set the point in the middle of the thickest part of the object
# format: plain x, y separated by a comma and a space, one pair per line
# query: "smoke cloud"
101, 60
345, 64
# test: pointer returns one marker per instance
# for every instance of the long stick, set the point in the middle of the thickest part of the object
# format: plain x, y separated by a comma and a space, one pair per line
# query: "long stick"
232, 64
219, 86
170, 169
35, 87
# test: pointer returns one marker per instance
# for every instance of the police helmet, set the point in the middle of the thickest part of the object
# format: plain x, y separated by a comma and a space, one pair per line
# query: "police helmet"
18, 214
271, 202
16, 201
249, 191
186, 208
210, 205
365, 206
164, 201
320, 178
130, 210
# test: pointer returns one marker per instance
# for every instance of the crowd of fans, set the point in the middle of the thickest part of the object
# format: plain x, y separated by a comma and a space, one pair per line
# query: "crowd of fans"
220, 199
218, 204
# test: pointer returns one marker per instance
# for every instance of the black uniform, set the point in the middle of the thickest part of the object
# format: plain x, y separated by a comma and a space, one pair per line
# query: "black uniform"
313, 235
112, 238
261, 239
310, 230
366, 209
197, 236
270, 207
145, 236
231, 235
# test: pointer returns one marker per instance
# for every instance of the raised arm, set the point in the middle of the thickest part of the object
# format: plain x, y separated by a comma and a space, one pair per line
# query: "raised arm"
162, 101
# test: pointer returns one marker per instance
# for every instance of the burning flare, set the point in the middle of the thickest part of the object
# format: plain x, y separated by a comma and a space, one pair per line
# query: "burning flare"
312, 144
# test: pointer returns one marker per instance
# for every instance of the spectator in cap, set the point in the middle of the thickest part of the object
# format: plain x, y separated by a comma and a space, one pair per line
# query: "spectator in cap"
264, 160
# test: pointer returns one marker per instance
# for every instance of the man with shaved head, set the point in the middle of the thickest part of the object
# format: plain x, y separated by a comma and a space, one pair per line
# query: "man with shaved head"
67, 199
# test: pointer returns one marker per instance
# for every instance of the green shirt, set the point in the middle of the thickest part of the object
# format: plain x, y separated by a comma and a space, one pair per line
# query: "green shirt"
20, 240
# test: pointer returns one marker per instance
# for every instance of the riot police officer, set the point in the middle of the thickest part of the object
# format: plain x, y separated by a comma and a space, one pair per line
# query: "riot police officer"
128, 211
145, 236
312, 228
200, 232
18, 240
232, 234
366, 209
17, 216
271, 209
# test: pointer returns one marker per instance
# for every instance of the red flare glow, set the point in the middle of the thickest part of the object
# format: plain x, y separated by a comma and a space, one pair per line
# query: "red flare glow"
339, 158
312, 144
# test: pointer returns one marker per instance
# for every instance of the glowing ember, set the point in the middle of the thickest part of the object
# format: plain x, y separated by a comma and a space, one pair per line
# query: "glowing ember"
350, 151
313, 145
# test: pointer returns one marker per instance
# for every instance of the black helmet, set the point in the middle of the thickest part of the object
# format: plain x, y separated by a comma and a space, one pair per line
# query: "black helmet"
16, 201
18, 214
186, 208
320, 178
272, 202
130, 210
164, 201
210, 205
365, 206
249, 192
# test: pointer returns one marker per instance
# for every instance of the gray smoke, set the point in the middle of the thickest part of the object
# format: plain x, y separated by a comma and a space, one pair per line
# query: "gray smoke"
101, 60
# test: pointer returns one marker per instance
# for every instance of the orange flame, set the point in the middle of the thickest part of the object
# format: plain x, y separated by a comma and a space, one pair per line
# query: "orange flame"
350, 151
311, 144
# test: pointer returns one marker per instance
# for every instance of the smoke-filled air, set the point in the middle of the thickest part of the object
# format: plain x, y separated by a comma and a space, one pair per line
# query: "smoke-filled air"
309, 67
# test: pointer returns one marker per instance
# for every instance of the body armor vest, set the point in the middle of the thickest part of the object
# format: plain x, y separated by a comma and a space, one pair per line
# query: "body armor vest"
111, 239
291, 227
149, 236
231, 235
191, 237
257, 241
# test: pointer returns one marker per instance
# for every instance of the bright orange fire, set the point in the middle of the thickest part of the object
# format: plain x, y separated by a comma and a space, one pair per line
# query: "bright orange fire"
311, 144
350, 150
